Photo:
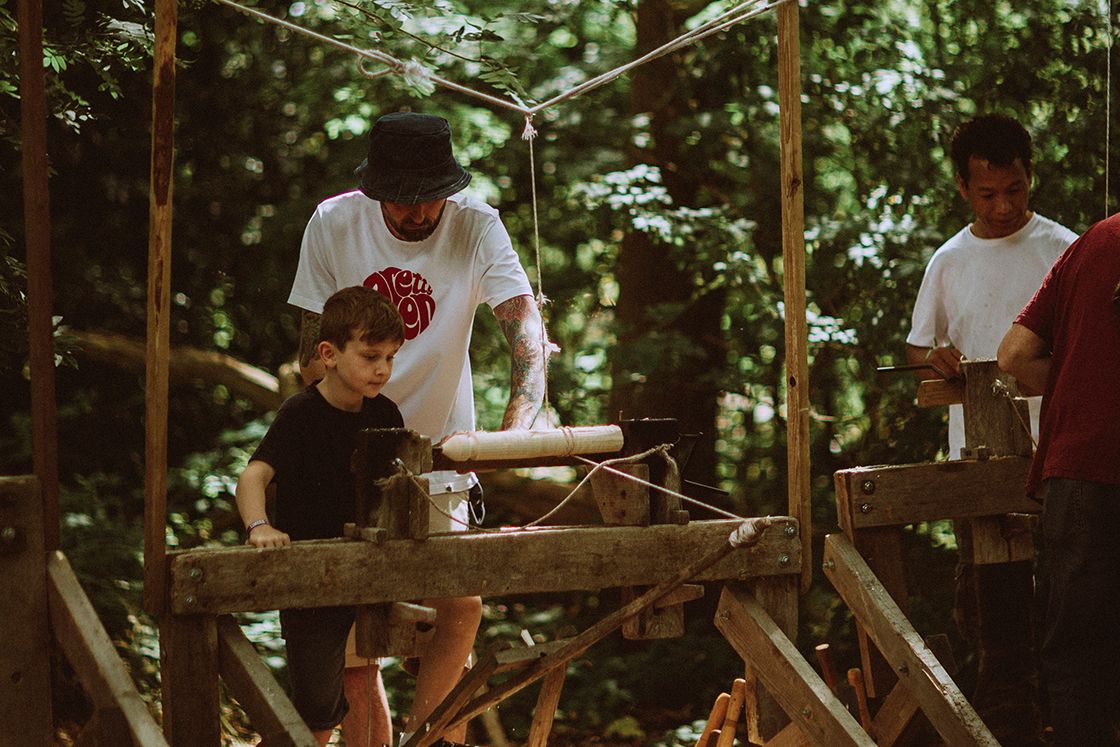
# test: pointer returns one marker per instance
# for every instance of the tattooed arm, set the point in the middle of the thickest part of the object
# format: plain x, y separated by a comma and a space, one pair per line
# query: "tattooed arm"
521, 323
310, 365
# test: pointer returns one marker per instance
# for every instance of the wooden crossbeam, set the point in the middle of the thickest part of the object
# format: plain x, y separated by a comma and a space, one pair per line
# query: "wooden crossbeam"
338, 572
260, 695
917, 667
789, 678
939, 392
89, 650
896, 495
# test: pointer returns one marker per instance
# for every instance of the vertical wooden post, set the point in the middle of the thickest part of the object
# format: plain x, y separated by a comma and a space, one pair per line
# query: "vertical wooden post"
793, 263
188, 666
159, 288
778, 596
37, 229
25, 668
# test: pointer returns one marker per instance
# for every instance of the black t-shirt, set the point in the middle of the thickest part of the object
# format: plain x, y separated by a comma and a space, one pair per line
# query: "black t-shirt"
310, 445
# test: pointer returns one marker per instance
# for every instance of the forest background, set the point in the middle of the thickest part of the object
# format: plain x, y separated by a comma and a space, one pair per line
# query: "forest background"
659, 253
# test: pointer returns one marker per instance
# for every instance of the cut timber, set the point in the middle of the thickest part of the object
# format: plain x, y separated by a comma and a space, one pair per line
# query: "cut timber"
25, 661
622, 501
939, 697
499, 445
188, 648
939, 392
881, 548
92, 654
791, 736
260, 695
391, 629
778, 595
998, 539
715, 719
994, 417
545, 711
336, 572
788, 677
733, 715
899, 707
907, 494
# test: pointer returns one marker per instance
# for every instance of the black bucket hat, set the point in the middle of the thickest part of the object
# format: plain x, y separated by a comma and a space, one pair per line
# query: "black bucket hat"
410, 160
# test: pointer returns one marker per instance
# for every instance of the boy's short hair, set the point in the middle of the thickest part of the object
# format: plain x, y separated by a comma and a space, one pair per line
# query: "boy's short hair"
996, 138
363, 311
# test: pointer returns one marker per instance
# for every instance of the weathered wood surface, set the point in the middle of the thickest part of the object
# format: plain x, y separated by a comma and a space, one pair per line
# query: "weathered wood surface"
91, 653
336, 572
807, 700
881, 548
544, 713
778, 595
25, 668
250, 682
189, 680
918, 669
896, 495
498, 445
992, 419
158, 308
899, 707
939, 392
793, 276
997, 539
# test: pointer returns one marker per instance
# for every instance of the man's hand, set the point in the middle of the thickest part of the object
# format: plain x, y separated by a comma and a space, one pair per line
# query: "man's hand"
267, 535
521, 323
943, 362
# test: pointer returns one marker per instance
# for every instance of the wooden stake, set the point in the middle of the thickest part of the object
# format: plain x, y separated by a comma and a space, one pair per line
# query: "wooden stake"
158, 306
734, 709
828, 668
793, 279
855, 679
715, 718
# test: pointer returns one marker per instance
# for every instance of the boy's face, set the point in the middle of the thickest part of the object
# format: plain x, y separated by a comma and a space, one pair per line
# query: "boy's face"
998, 196
361, 368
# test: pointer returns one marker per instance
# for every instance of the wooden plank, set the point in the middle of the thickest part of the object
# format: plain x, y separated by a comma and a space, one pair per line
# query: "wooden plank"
939, 392
337, 572
189, 676
907, 494
881, 548
158, 307
25, 667
991, 418
92, 654
939, 697
249, 681
791, 736
107, 727
899, 707
37, 235
793, 277
998, 539
442, 718
778, 596
545, 711
792, 681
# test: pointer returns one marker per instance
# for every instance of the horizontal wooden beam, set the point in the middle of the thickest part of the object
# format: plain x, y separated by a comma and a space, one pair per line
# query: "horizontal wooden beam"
249, 681
89, 650
796, 686
896, 495
917, 667
939, 392
338, 572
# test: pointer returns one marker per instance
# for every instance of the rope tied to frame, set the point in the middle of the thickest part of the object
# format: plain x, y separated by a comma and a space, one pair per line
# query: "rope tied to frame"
1000, 388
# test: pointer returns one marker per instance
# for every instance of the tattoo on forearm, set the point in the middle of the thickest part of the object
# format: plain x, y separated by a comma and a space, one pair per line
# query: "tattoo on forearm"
308, 338
521, 323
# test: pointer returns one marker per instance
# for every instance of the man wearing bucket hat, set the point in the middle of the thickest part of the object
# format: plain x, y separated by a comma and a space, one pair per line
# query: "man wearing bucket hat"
409, 232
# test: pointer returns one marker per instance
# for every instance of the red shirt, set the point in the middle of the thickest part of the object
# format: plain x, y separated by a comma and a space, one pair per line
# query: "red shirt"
1079, 431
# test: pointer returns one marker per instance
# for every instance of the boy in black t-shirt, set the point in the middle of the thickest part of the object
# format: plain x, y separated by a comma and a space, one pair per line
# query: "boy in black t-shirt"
307, 453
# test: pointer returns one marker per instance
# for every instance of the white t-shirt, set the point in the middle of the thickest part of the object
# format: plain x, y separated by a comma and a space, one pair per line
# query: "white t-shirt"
972, 291
437, 284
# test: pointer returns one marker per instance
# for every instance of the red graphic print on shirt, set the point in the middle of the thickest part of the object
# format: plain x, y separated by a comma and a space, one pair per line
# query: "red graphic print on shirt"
411, 293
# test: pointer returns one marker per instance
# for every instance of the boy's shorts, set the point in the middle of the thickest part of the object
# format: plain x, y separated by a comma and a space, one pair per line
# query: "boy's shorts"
456, 504
316, 644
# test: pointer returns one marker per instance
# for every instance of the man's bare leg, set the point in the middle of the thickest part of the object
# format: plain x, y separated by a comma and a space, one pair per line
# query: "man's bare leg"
367, 723
445, 655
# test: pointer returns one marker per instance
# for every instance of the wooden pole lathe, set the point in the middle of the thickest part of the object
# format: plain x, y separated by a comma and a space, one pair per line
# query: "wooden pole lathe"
159, 288
793, 278
37, 231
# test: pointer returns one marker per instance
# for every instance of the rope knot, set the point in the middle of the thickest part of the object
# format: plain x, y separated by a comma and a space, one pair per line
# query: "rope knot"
529, 132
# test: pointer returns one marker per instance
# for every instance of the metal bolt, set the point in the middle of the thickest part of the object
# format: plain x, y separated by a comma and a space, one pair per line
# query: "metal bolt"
828, 565
784, 559
903, 668
189, 601
8, 535
790, 530
867, 487
195, 573
724, 615
806, 712
865, 508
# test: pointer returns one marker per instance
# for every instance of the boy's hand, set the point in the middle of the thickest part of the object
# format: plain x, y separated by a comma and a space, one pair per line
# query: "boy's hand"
267, 535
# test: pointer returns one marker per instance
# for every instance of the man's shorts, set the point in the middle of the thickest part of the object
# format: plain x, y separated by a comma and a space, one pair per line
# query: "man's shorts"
316, 645
455, 504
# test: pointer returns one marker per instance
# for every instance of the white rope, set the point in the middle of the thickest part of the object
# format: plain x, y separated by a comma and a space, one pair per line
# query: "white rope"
999, 387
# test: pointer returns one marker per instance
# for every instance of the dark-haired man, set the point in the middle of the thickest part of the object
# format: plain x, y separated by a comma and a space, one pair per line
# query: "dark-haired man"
410, 232
973, 287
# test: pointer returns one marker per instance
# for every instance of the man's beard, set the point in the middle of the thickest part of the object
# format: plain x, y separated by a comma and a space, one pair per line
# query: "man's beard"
413, 232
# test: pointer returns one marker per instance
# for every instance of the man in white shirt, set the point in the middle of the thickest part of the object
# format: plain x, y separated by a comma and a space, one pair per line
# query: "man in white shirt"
974, 286
438, 254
